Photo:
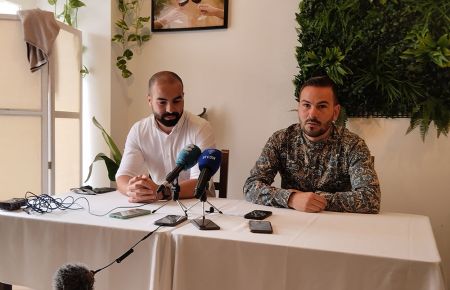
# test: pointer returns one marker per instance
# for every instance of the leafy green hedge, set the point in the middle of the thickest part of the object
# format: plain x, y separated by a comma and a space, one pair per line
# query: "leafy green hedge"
390, 58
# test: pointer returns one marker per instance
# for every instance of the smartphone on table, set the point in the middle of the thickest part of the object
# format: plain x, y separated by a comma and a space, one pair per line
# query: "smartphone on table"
262, 227
257, 214
130, 213
170, 220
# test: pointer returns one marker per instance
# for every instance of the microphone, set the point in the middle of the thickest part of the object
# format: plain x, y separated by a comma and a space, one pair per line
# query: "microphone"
74, 277
79, 277
186, 159
208, 163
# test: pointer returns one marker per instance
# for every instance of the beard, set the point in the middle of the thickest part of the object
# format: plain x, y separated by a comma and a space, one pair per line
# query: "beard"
168, 122
321, 129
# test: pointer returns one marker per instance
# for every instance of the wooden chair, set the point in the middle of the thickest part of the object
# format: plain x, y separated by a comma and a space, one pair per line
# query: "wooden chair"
222, 185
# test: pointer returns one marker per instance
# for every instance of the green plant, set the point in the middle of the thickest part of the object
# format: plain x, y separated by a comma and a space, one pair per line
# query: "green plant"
390, 58
69, 14
112, 165
132, 32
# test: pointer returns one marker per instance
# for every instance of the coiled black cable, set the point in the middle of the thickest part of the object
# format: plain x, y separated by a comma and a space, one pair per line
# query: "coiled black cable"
45, 203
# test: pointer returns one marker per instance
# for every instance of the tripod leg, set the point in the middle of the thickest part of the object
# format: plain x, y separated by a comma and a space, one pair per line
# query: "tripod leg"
214, 207
183, 207
161, 206
192, 205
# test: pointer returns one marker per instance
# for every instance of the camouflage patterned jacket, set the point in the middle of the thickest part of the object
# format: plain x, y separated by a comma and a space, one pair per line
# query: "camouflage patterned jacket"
339, 168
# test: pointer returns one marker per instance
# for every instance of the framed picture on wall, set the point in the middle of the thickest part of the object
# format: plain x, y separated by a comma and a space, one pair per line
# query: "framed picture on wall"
176, 15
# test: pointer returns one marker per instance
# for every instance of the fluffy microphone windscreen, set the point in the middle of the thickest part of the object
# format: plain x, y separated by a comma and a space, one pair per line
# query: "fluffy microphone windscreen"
73, 277
188, 157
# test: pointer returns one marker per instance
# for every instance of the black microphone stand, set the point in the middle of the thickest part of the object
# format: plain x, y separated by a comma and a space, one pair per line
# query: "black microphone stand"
175, 196
202, 223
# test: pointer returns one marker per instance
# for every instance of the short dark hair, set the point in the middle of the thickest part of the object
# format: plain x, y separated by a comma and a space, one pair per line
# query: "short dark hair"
319, 81
164, 76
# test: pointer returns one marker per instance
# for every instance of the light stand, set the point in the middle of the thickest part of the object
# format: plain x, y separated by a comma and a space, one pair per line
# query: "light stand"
202, 223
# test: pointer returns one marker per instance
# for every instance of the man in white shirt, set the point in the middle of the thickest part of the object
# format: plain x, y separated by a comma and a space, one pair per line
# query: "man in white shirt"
154, 142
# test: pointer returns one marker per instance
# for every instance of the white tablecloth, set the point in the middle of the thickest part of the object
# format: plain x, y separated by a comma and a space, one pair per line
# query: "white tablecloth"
306, 251
33, 247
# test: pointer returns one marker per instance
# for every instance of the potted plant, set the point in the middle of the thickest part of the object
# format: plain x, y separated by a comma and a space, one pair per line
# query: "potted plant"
112, 165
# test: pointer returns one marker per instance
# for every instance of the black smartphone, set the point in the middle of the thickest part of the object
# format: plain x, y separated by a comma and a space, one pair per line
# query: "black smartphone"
257, 214
263, 227
87, 189
103, 189
131, 213
205, 224
170, 220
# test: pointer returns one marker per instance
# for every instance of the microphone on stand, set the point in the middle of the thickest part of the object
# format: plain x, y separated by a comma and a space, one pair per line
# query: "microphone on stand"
186, 159
208, 163
74, 277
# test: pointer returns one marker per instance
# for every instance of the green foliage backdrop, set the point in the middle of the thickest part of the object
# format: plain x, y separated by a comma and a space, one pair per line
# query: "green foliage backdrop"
390, 58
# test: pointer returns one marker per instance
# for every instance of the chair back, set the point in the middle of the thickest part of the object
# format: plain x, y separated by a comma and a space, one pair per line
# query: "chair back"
222, 184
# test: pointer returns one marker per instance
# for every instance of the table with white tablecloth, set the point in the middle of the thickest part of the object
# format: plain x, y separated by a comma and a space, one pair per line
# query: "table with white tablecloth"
325, 250
34, 246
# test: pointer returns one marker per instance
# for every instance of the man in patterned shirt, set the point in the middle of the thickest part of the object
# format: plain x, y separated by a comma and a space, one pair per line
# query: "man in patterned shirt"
322, 166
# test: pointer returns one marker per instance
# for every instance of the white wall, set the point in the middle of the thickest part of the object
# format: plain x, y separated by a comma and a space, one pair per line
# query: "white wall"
95, 22
414, 175
243, 75
22, 4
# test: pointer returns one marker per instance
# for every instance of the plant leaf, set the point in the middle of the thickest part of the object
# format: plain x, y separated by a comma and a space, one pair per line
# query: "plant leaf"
121, 6
121, 62
128, 54
126, 73
76, 3
122, 24
145, 37
117, 156
117, 38
144, 19
111, 166
132, 37
84, 71
66, 14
